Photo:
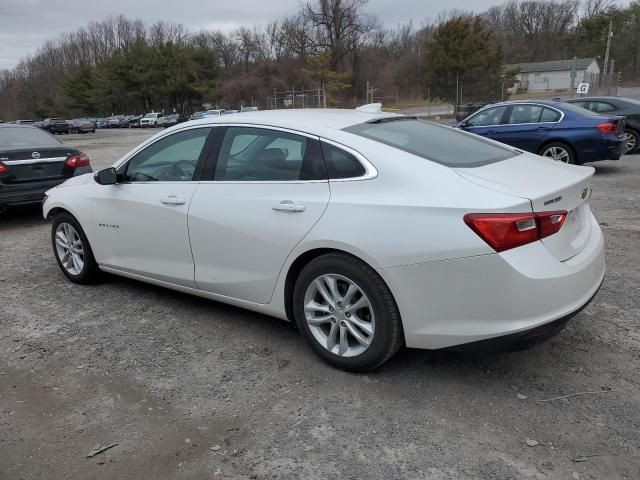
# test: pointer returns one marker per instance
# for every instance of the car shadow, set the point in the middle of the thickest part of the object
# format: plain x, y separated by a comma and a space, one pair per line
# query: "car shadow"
21, 217
440, 365
606, 169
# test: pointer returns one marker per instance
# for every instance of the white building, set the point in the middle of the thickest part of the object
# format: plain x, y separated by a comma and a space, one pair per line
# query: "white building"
553, 75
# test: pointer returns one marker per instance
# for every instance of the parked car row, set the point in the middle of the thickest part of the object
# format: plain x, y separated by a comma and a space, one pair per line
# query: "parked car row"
576, 131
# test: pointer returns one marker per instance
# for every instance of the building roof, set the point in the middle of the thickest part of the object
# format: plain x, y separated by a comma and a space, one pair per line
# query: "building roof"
551, 66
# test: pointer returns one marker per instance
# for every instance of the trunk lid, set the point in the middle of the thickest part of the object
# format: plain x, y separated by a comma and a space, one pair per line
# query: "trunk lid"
36, 165
549, 186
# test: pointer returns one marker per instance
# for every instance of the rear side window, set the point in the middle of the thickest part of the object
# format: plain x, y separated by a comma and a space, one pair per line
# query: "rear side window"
602, 107
549, 115
341, 164
434, 142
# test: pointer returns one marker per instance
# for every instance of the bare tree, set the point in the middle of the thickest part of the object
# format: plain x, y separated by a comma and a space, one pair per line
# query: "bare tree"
339, 26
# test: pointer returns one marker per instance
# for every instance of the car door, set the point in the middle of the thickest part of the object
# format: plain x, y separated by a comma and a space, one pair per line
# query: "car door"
527, 125
267, 189
486, 122
141, 221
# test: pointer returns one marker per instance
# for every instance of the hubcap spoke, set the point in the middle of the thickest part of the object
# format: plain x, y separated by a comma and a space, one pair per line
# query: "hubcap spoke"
331, 338
320, 320
366, 327
357, 335
344, 343
361, 302
317, 307
323, 291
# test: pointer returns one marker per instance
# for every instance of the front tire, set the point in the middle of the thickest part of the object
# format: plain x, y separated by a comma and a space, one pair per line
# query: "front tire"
346, 313
72, 250
559, 151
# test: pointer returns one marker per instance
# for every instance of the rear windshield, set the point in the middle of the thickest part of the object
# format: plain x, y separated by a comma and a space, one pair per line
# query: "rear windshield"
438, 143
579, 110
27, 137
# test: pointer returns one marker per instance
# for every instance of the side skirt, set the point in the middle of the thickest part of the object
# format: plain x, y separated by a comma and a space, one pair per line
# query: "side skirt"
265, 309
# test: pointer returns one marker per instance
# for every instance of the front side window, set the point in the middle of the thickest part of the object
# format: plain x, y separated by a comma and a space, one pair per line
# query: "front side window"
524, 114
171, 159
486, 117
250, 154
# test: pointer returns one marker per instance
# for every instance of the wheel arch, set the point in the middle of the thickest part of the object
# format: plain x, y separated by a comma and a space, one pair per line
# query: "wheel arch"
302, 260
564, 141
56, 211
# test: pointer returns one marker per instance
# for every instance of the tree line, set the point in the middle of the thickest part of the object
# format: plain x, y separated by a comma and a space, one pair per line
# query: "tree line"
120, 65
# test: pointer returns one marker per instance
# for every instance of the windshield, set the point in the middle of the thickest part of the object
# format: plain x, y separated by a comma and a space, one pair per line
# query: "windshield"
19, 137
432, 141
151, 115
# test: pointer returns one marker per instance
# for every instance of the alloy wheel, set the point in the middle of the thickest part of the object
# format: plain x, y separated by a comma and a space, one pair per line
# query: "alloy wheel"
339, 315
69, 248
559, 154
629, 140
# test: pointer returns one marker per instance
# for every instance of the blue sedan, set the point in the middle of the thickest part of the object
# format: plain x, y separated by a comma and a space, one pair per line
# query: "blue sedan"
561, 131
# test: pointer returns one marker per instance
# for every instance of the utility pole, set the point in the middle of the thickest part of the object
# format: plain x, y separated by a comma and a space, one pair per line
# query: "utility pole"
573, 76
606, 55
457, 90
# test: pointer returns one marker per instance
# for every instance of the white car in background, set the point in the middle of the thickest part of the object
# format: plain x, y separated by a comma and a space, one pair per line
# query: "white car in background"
369, 230
152, 119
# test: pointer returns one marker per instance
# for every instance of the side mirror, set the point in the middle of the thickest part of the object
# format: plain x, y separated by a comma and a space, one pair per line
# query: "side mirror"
107, 176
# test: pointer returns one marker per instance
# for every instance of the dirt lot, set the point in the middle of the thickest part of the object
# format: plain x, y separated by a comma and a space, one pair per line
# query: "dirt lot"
190, 389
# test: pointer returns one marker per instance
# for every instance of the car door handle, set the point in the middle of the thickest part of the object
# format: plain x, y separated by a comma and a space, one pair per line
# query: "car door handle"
173, 200
490, 132
544, 128
288, 206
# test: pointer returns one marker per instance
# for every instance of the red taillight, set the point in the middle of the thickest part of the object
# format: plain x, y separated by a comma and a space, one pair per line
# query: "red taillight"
503, 231
3, 168
607, 127
80, 160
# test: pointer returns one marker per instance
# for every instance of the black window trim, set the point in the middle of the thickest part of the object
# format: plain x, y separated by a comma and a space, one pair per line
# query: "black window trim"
121, 165
507, 113
370, 171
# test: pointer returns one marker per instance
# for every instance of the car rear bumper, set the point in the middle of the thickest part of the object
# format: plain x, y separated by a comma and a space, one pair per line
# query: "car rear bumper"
454, 302
31, 193
605, 149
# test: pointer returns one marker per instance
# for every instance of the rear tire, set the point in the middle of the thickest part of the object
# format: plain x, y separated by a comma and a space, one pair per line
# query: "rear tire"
346, 313
559, 151
72, 250
632, 141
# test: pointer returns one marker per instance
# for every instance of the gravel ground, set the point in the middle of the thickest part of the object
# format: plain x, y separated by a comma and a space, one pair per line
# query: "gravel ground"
189, 389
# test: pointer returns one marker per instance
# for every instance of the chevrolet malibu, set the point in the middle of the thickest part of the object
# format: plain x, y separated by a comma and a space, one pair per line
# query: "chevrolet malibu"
369, 230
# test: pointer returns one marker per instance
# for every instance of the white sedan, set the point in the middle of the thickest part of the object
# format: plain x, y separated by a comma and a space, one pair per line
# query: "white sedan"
369, 230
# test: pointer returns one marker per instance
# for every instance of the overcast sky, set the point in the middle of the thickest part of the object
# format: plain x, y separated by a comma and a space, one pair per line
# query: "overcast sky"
26, 24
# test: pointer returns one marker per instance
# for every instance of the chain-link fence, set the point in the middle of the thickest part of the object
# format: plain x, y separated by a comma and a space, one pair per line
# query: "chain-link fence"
303, 98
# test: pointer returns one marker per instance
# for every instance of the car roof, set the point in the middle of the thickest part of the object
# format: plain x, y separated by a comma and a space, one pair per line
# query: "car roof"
335, 119
550, 103
15, 125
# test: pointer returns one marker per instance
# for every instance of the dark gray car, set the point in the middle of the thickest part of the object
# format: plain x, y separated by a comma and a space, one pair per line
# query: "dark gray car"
32, 161
626, 107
